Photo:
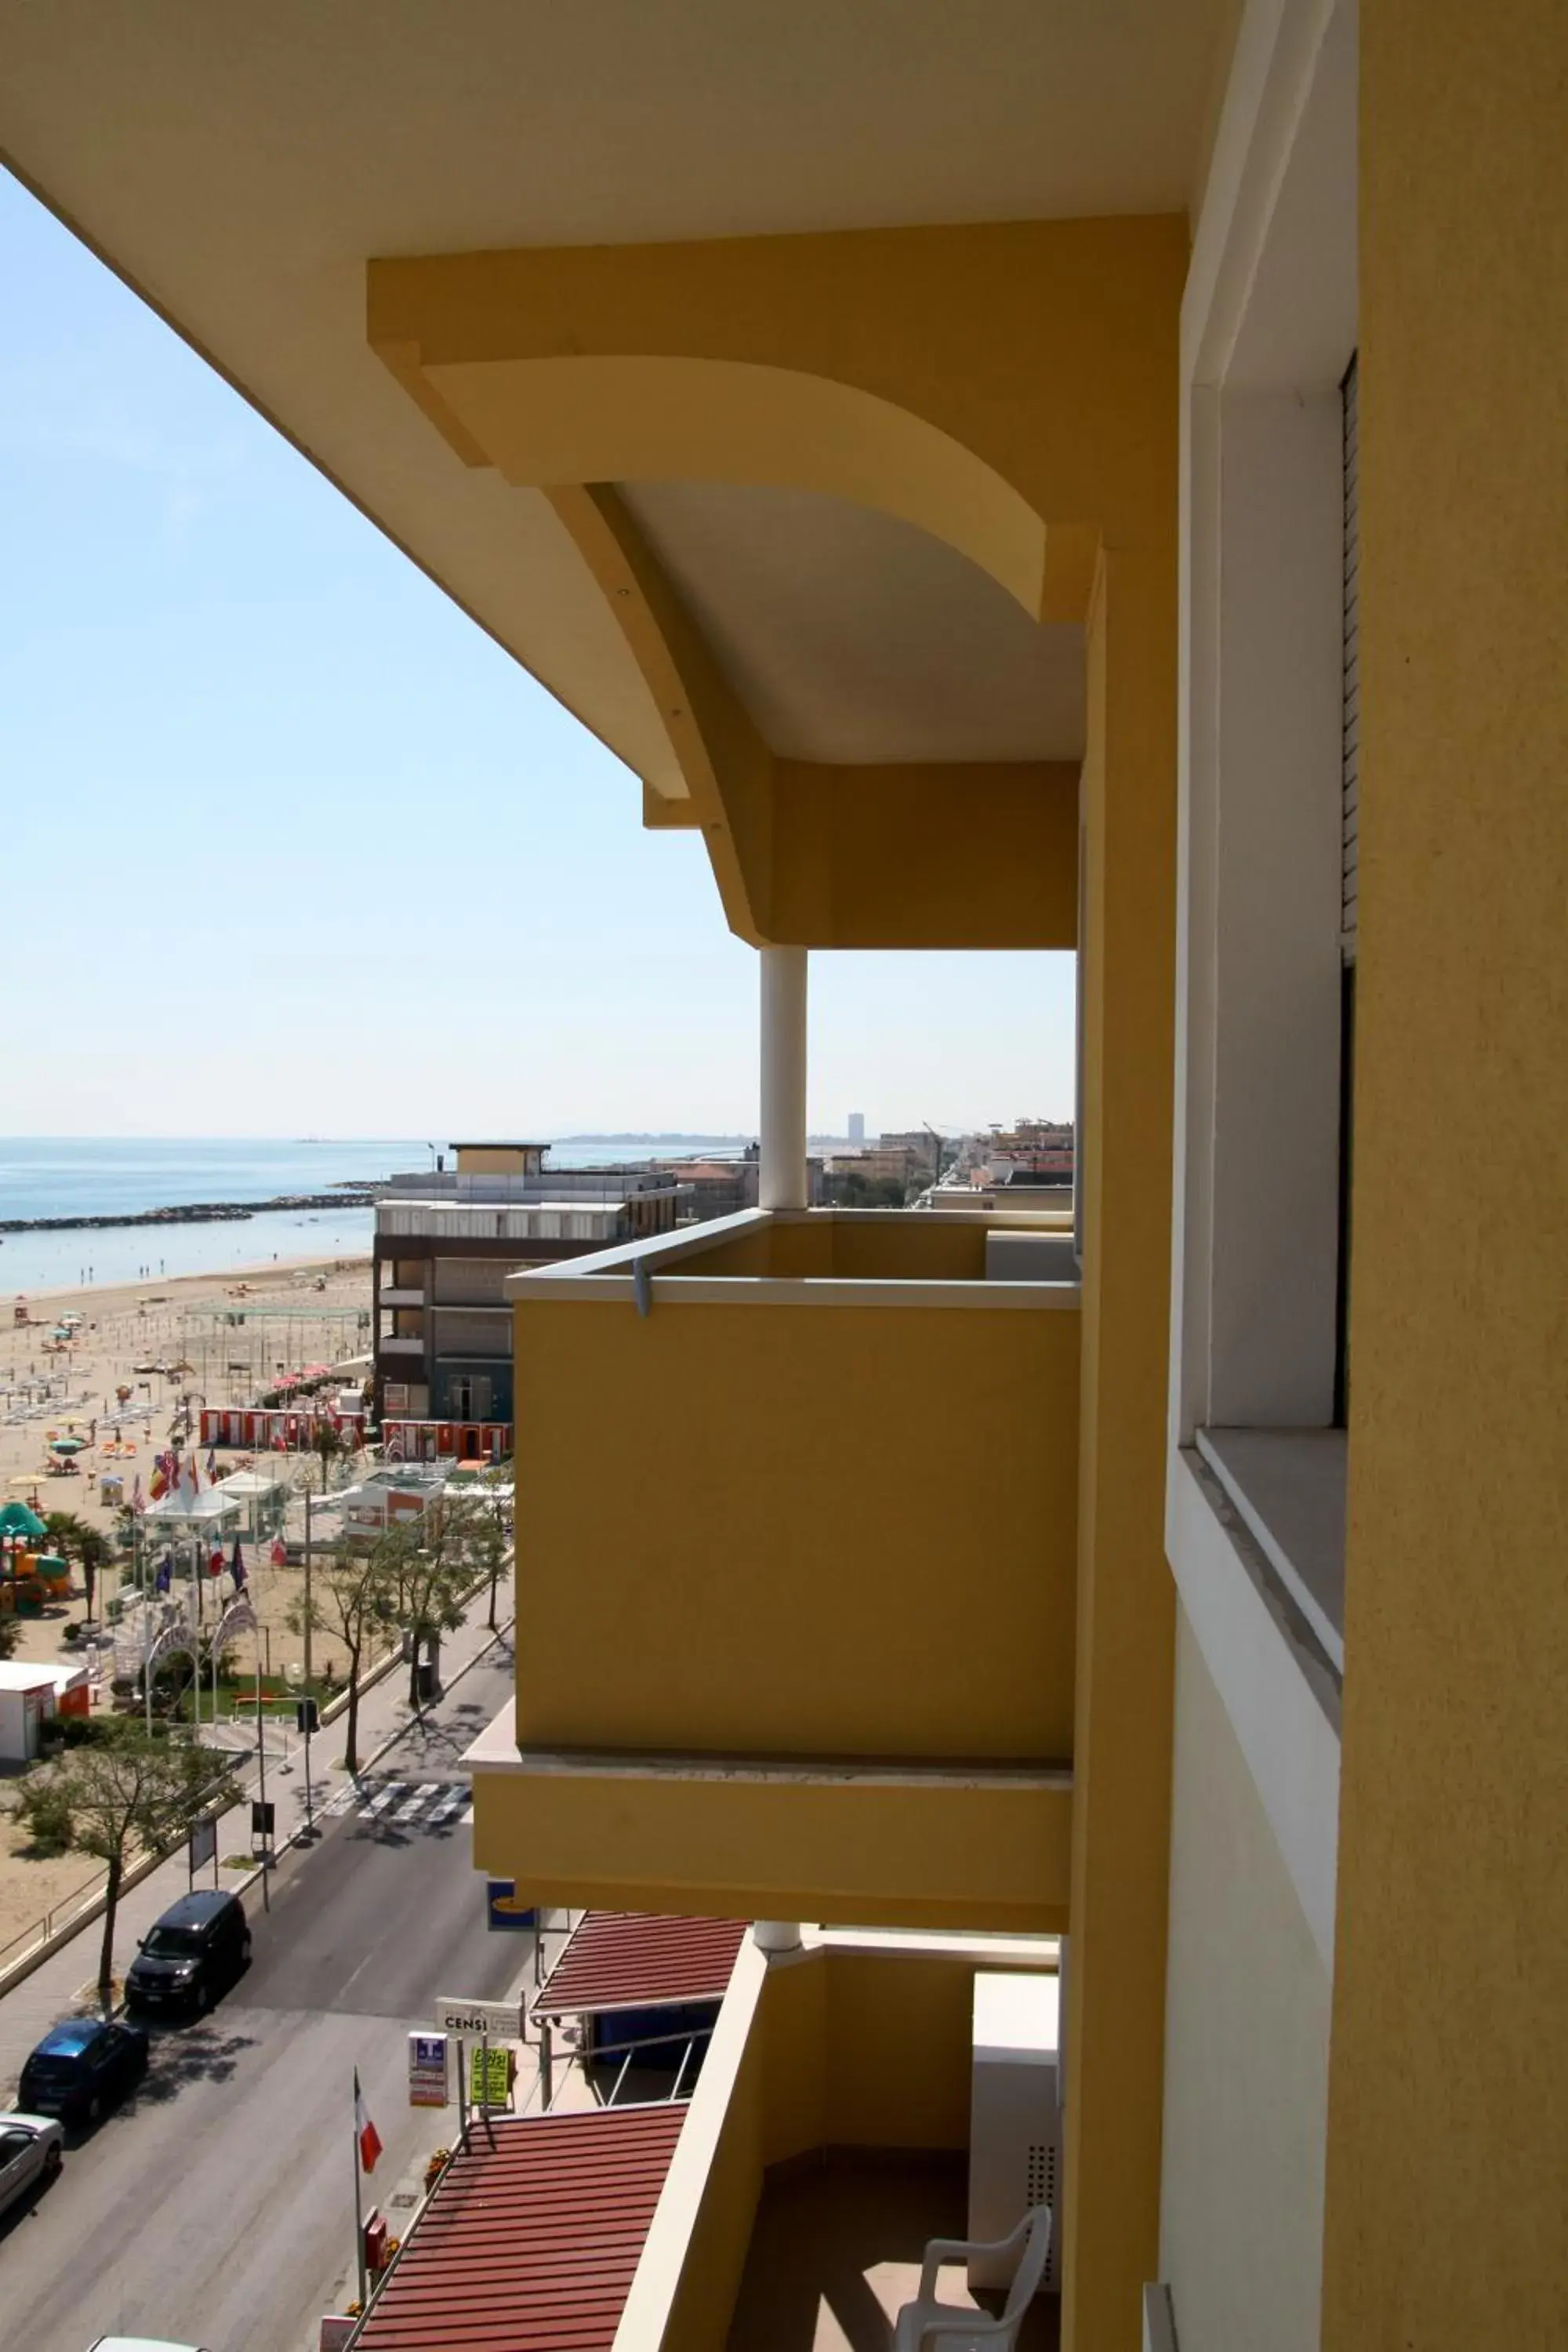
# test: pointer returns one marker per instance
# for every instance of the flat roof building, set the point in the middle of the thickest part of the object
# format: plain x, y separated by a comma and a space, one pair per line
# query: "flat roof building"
444, 1243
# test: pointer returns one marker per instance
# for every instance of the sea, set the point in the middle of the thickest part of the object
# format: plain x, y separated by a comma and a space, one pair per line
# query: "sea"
48, 1176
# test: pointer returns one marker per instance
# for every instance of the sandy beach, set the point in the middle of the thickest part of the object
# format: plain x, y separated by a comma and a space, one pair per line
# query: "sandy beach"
234, 1331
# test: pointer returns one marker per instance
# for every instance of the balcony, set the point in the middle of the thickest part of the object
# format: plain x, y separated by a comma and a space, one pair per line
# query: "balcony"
796, 1520
399, 1344
400, 1294
827, 2141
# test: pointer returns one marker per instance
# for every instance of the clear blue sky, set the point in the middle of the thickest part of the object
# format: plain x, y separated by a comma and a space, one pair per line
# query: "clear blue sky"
291, 848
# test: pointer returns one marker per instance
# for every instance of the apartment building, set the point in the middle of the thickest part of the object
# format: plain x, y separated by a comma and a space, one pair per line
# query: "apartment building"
445, 1240
1030, 477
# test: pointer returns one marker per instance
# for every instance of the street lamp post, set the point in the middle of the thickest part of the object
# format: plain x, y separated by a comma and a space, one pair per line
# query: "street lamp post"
308, 1834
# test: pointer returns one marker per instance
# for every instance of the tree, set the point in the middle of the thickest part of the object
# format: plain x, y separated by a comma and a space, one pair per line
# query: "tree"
10, 1633
121, 1791
76, 1538
493, 1533
353, 1595
855, 1191
432, 1564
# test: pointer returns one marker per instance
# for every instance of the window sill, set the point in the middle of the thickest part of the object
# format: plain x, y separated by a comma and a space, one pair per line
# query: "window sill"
1289, 1486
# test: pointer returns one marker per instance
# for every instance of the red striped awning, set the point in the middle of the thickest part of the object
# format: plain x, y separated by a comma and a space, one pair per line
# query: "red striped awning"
531, 2241
636, 1959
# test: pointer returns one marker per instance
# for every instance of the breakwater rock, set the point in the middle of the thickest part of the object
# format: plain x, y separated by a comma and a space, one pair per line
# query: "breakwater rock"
197, 1212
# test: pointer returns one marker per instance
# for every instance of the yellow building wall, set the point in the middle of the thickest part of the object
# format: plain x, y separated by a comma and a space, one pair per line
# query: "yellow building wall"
498, 1159
1122, 1757
798, 1530
1447, 2161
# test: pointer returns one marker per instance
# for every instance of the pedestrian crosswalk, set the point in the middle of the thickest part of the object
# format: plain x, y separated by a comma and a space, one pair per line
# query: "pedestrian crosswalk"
421, 1804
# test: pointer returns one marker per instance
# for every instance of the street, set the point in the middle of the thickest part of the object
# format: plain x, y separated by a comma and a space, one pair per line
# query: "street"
216, 2206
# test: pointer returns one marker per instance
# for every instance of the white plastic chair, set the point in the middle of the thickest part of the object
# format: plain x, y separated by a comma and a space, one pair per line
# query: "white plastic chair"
928, 2326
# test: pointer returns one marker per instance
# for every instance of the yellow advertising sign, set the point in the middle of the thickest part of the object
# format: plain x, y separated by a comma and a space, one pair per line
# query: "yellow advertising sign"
491, 2088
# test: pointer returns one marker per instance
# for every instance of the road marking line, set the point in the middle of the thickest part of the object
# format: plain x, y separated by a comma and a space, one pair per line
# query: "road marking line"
418, 1801
387, 1796
451, 1804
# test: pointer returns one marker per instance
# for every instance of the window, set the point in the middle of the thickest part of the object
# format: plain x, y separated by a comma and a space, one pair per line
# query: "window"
1267, 920
1350, 862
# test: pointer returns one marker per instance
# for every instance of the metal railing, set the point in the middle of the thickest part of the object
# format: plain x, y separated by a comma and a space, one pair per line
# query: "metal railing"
52, 1921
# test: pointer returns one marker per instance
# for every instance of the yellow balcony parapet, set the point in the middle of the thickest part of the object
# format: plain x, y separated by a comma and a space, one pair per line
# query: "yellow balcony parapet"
954, 1844
804, 1581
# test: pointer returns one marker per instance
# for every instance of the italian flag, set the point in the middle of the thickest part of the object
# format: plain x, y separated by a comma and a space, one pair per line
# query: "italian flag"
368, 2136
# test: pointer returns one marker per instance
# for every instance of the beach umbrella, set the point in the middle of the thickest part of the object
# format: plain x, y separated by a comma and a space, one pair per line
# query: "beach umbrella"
17, 1520
67, 1445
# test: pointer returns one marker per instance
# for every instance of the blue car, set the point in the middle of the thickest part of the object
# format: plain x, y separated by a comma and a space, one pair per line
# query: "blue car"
81, 2068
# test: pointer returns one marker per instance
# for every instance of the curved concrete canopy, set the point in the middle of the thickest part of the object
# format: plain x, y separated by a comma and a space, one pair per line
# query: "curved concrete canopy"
854, 639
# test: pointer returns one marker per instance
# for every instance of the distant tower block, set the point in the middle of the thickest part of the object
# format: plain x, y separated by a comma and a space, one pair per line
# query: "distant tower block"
857, 1127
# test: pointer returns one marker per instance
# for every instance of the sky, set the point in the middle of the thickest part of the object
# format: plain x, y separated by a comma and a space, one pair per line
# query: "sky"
291, 847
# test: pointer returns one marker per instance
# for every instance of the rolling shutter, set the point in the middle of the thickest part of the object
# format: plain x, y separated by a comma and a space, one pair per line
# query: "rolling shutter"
1351, 754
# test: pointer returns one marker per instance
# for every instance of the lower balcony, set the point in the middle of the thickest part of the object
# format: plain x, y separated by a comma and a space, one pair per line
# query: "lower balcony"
796, 1533
827, 2142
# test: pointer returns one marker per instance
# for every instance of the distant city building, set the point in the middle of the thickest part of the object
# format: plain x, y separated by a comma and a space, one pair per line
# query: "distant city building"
445, 1240
722, 1187
857, 1127
1036, 1151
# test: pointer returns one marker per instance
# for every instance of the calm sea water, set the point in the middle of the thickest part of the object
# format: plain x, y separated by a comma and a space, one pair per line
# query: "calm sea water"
43, 1176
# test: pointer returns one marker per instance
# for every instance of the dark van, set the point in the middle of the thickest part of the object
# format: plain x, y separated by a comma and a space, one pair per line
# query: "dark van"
199, 1948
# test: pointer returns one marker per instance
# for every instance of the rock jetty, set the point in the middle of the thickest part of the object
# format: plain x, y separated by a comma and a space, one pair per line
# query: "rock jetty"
198, 1212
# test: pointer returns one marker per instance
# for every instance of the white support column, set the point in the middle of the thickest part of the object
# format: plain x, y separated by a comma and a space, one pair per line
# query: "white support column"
782, 1177
773, 1936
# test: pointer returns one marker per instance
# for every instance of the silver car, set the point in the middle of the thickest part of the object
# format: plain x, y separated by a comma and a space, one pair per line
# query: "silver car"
32, 2149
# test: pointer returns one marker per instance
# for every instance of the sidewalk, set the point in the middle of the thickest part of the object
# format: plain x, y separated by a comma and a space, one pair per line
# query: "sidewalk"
402, 2198
65, 1980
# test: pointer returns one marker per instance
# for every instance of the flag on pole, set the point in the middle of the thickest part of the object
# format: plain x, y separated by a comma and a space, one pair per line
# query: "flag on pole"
160, 1485
236, 1566
364, 2130
211, 1463
280, 1552
214, 1560
165, 1576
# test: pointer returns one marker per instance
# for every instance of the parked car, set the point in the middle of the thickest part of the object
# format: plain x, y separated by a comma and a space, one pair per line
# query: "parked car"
81, 2067
199, 1948
32, 2149
138, 2343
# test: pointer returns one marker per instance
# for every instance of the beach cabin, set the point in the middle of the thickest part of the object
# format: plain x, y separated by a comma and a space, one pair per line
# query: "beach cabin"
32, 1693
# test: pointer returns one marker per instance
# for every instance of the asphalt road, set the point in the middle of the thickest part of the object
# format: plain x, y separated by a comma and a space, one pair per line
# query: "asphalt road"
215, 2207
